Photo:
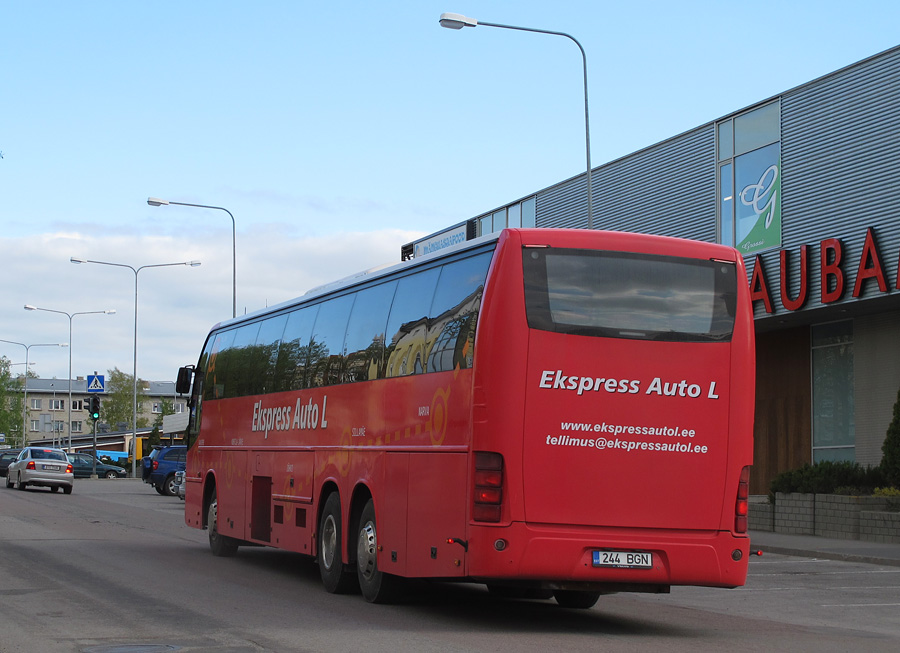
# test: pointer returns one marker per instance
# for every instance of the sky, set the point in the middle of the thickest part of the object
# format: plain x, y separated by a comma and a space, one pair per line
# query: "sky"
333, 133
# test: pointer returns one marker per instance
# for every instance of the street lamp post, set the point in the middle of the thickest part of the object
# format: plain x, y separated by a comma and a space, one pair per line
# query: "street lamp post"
25, 383
134, 371
29, 307
458, 21
155, 201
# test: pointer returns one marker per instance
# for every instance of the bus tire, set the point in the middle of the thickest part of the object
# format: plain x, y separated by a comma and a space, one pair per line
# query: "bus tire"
334, 573
221, 545
577, 599
376, 586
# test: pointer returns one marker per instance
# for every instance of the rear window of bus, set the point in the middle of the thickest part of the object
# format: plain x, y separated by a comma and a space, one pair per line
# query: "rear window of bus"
627, 295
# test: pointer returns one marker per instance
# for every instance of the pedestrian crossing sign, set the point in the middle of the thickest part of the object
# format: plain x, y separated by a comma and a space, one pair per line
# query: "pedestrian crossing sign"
95, 383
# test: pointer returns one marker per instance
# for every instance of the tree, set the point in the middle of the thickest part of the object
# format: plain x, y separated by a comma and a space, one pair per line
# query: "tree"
10, 403
890, 460
117, 404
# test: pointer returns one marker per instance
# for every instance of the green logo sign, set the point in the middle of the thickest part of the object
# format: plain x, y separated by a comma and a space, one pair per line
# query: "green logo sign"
758, 209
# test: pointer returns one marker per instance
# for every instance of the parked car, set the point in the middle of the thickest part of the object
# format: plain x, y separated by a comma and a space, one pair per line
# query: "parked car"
83, 464
147, 464
179, 483
164, 462
41, 466
6, 458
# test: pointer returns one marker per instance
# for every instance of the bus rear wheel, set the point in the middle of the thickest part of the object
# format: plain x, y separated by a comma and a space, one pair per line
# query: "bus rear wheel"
376, 586
335, 576
220, 545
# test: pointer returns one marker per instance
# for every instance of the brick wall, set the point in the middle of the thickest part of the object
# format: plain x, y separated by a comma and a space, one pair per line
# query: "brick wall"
828, 515
839, 516
795, 513
879, 526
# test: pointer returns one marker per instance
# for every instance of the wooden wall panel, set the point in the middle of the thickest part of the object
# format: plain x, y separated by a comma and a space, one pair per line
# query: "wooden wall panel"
782, 427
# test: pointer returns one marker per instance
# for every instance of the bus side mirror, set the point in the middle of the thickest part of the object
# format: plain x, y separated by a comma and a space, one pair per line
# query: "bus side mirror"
183, 383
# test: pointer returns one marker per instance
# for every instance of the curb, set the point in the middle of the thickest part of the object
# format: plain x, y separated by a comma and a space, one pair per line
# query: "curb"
827, 555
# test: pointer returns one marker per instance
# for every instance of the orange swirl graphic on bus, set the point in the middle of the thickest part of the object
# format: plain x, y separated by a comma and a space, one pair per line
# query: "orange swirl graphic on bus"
437, 426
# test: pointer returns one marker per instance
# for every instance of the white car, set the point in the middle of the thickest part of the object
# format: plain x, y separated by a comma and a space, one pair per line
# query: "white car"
41, 466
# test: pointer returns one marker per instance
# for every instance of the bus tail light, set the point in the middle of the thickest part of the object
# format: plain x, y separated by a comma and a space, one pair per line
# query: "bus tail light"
488, 486
741, 506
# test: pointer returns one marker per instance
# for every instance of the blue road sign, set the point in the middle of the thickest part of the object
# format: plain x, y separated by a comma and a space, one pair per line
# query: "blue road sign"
95, 383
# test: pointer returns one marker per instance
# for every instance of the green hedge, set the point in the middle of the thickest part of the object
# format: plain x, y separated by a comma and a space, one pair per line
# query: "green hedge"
829, 478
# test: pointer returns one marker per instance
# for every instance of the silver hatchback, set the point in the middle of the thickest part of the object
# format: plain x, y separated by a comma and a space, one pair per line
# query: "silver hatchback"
41, 466
179, 484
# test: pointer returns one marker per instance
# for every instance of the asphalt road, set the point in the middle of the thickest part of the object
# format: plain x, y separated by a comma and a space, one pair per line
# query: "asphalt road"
113, 569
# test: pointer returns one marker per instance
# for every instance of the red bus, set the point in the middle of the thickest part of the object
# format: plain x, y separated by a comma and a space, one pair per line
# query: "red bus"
545, 411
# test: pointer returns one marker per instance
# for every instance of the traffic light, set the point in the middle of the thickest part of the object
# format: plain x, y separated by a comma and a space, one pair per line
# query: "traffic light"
95, 408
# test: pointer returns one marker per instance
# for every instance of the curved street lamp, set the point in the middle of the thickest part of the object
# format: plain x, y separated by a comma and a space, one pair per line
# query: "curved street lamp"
25, 381
136, 271
155, 201
111, 311
458, 21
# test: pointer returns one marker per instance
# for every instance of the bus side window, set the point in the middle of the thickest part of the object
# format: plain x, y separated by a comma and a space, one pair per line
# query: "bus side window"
454, 313
291, 367
243, 371
405, 347
326, 347
268, 342
214, 386
196, 404
364, 342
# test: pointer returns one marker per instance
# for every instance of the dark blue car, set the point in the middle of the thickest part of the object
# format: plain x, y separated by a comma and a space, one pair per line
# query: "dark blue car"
158, 469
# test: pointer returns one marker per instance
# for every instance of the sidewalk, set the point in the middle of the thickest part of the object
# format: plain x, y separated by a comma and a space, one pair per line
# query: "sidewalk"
824, 547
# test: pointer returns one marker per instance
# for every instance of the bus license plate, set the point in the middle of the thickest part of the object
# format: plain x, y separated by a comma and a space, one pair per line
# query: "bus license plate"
623, 559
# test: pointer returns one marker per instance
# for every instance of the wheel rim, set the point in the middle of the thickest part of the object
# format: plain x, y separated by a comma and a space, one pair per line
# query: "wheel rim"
366, 550
329, 541
212, 521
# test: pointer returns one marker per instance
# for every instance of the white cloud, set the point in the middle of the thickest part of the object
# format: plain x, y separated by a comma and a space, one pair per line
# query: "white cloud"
176, 305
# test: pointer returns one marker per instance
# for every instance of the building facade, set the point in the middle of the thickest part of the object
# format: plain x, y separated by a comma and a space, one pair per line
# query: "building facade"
47, 410
806, 185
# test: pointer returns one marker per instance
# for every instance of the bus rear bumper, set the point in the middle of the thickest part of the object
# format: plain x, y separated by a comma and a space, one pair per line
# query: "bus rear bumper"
559, 556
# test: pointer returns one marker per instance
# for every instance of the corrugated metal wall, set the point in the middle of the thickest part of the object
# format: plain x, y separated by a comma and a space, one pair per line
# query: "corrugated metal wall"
840, 174
668, 189
840, 170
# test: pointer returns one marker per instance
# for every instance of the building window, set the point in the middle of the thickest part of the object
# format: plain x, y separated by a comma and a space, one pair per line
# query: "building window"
76, 426
748, 150
834, 432
57, 404
35, 425
157, 407
520, 214
179, 408
78, 404
35, 404
59, 426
